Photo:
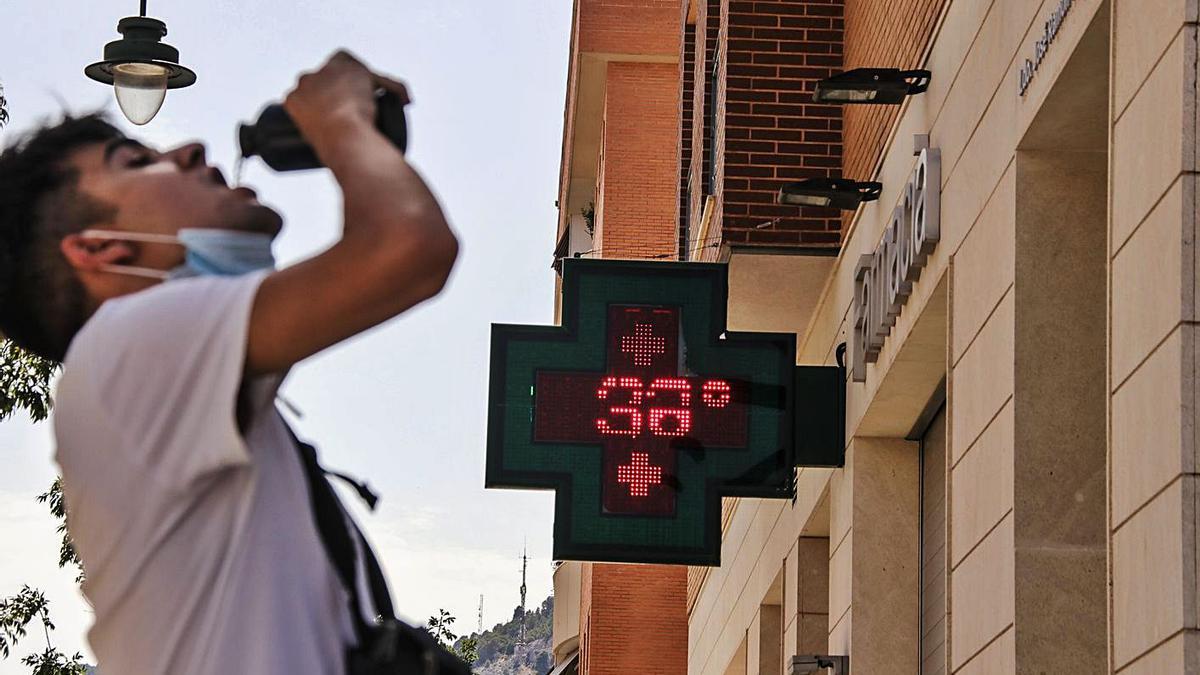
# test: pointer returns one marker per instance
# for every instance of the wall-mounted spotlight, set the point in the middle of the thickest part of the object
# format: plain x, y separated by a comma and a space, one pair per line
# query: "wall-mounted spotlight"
816, 663
140, 67
872, 85
837, 193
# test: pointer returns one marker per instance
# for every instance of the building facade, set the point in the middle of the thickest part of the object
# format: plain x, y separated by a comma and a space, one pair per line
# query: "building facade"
1020, 486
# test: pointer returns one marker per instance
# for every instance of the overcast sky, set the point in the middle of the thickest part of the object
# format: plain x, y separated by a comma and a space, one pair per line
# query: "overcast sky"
404, 405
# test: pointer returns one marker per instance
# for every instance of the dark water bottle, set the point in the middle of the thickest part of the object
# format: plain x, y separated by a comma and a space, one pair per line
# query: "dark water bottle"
275, 138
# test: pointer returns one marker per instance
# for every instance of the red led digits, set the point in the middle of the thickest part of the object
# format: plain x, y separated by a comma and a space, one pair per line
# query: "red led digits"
634, 419
716, 393
630, 415
632, 410
631, 384
643, 344
671, 421
639, 474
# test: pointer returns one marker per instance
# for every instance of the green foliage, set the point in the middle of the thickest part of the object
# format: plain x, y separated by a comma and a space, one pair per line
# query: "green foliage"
439, 627
589, 218
58, 509
3, 108
467, 649
54, 662
25, 385
24, 382
16, 613
503, 638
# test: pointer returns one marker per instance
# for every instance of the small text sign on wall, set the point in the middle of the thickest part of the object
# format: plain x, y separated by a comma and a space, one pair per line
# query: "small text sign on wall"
1049, 33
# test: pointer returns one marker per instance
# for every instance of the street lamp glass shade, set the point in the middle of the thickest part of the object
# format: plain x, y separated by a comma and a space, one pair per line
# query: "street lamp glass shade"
141, 89
804, 200
849, 96
837, 193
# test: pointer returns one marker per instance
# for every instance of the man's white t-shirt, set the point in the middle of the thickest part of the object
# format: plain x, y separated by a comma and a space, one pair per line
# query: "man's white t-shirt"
198, 541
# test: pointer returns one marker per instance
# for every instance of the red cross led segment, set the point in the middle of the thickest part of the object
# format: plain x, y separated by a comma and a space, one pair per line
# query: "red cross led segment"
644, 345
642, 410
639, 474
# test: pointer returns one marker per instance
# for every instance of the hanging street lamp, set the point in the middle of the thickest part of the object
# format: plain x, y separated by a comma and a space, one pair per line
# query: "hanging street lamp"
837, 193
872, 85
140, 67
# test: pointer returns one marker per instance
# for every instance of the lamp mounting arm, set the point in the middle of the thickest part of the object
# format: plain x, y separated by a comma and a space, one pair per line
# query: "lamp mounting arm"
143, 8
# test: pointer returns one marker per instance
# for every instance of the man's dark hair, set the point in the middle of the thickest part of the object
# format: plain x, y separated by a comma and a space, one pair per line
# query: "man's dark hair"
42, 303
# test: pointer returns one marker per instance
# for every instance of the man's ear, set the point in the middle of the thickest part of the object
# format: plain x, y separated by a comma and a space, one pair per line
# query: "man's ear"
91, 254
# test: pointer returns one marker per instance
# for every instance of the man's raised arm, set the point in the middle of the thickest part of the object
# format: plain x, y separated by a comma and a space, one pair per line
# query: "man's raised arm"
396, 249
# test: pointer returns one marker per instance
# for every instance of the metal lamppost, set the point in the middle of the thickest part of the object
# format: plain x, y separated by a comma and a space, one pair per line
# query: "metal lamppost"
140, 67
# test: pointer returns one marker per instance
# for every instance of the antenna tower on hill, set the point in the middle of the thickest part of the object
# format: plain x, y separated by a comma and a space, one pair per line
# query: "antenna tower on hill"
524, 567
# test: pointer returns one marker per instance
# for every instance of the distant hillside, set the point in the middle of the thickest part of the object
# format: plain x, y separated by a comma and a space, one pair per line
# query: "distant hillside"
499, 653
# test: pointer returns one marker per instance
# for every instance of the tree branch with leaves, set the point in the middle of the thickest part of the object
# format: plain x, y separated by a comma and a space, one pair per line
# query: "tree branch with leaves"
465, 648
16, 614
25, 381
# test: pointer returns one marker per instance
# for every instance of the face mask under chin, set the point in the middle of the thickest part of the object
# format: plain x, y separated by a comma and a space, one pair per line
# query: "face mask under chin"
209, 252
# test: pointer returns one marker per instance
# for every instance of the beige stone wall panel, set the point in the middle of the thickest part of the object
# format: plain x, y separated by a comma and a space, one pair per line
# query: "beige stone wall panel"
806, 597
984, 264
1153, 425
1180, 654
1154, 565
998, 658
982, 380
1140, 38
841, 572
982, 486
885, 555
1153, 283
982, 594
1149, 140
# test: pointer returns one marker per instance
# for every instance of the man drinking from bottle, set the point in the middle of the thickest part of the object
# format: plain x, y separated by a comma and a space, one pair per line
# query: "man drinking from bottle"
152, 281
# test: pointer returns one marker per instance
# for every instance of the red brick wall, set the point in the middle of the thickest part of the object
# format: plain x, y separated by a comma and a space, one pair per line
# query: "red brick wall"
638, 209
629, 26
774, 132
619, 30
708, 28
687, 75
633, 619
890, 34
715, 78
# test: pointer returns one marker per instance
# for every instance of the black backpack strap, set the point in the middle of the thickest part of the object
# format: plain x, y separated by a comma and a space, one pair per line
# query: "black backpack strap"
388, 647
380, 595
337, 538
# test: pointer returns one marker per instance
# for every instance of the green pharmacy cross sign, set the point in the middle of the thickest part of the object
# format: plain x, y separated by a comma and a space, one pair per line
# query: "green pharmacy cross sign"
641, 411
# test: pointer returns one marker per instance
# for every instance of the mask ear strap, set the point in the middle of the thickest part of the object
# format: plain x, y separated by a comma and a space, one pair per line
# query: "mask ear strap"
145, 237
147, 272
